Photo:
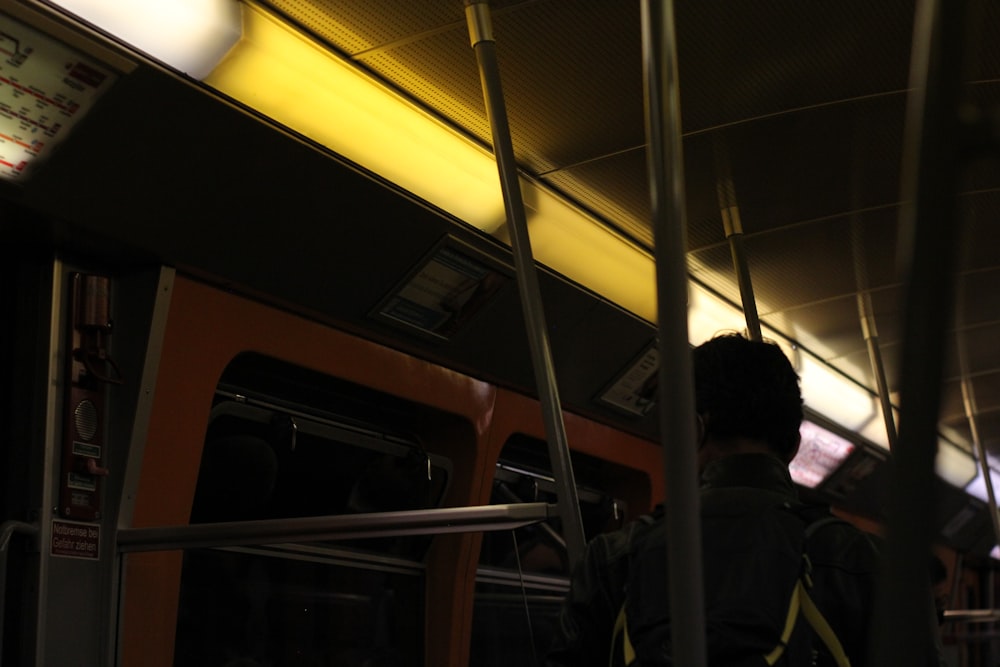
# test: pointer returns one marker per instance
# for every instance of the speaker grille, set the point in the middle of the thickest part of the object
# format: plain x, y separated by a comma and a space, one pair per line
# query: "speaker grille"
85, 419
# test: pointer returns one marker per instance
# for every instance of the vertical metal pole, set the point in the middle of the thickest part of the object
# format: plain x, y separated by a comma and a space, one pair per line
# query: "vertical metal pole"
481, 34
867, 316
676, 400
969, 401
971, 411
734, 234
930, 164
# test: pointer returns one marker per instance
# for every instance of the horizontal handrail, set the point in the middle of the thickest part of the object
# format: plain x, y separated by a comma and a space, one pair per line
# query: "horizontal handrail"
339, 527
972, 615
8, 528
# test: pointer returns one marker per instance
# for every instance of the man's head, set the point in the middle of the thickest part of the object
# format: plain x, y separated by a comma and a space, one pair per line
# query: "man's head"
747, 392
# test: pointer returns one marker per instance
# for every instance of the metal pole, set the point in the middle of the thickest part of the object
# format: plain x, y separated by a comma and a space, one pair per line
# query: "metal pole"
866, 313
477, 13
676, 399
338, 527
867, 316
969, 402
930, 165
734, 234
971, 410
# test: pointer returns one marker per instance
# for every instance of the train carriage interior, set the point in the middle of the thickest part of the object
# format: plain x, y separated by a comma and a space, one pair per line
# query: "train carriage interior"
270, 386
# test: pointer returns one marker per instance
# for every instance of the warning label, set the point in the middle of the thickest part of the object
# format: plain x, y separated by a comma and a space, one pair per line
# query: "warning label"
76, 540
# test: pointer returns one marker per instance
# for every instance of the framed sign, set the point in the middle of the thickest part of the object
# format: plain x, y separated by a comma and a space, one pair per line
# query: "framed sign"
446, 289
634, 390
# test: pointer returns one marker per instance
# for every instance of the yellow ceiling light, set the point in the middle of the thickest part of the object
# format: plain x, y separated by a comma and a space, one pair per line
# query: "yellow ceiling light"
299, 83
709, 316
295, 81
587, 251
190, 36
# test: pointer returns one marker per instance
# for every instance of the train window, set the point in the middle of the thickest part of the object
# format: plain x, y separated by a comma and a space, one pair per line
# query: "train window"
523, 574
523, 474
283, 442
265, 462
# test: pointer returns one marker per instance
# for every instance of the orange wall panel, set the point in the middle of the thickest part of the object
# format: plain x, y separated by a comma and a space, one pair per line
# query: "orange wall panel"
206, 329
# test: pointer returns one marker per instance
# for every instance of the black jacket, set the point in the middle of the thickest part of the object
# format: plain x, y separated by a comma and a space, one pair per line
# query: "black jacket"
736, 491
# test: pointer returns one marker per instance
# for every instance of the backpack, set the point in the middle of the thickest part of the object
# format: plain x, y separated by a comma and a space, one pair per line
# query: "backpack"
757, 573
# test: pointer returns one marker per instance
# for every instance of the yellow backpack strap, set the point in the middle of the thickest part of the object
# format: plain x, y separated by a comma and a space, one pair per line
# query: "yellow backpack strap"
823, 629
801, 600
628, 651
793, 614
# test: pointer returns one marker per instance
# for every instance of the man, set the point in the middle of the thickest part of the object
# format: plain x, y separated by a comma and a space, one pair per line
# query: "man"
754, 533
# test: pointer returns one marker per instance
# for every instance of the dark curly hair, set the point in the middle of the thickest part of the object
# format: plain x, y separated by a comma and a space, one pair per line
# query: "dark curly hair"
748, 388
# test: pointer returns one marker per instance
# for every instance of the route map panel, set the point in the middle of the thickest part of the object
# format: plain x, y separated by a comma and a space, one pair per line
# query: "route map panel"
45, 89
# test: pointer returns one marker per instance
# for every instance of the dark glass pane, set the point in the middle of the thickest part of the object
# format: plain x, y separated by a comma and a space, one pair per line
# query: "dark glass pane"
254, 610
512, 627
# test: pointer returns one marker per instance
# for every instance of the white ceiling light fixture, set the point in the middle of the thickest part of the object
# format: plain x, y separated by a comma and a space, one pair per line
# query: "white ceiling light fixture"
977, 487
190, 36
954, 465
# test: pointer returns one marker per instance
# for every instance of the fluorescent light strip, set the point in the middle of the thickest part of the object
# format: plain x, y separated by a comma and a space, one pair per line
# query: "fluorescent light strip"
954, 465
297, 82
977, 487
302, 85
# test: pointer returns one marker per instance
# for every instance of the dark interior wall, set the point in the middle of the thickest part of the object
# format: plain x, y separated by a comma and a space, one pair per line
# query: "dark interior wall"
25, 286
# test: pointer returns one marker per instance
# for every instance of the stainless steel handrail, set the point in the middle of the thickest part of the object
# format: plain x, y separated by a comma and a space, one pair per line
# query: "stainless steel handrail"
676, 402
328, 528
928, 248
481, 35
733, 228
868, 329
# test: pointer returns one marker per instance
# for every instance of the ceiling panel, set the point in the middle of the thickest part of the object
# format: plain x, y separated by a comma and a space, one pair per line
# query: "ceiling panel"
745, 60
358, 27
978, 301
817, 163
